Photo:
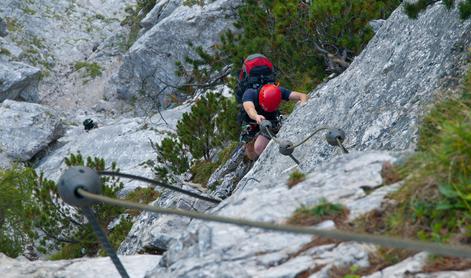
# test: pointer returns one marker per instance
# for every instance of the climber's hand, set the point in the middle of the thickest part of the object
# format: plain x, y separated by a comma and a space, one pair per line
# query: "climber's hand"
259, 119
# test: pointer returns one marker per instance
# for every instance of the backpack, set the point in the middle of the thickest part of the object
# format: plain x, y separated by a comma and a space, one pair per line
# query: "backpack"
89, 124
256, 71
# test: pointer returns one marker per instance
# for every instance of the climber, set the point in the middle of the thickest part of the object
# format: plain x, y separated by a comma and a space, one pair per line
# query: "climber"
260, 98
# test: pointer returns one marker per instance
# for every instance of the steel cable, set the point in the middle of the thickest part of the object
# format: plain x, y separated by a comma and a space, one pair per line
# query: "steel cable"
273, 137
434, 248
309, 137
104, 241
341, 145
158, 183
301, 142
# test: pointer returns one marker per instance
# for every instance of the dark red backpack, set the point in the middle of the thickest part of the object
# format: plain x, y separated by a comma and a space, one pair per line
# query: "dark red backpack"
257, 71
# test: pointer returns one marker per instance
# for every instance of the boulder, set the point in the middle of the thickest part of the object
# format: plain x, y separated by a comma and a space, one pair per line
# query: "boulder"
18, 81
27, 128
161, 10
150, 63
55, 36
136, 266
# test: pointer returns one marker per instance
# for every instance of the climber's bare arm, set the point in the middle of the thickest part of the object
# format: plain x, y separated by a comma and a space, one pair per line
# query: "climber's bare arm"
249, 107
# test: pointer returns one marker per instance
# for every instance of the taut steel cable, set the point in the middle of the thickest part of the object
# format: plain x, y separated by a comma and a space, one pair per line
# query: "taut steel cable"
434, 248
158, 183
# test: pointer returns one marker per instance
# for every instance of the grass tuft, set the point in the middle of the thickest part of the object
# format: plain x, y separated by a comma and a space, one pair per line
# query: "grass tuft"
295, 178
92, 70
308, 216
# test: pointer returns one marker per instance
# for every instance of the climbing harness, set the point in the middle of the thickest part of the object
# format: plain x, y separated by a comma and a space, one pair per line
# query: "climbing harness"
334, 136
81, 187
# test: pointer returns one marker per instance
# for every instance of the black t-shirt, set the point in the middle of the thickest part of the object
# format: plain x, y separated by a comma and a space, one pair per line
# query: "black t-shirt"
252, 95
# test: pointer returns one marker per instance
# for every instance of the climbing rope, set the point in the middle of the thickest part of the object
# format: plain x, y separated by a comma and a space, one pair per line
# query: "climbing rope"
158, 183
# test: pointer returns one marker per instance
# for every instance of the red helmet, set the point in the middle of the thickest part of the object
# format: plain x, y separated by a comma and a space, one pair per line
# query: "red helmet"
269, 97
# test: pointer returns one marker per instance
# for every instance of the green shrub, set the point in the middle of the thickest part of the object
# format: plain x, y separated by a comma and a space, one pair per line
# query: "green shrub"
141, 195
210, 122
16, 210
435, 200
32, 213
193, 2
202, 170
134, 16
305, 40
208, 126
92, 70
412, 9
171, 156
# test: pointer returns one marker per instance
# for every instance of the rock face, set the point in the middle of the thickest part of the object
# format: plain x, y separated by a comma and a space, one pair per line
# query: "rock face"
379, 98
154, 233
126, 141
18, 81
150, 63
136, 266
56, 35
210, 249
378, 101
161, 10
27, 128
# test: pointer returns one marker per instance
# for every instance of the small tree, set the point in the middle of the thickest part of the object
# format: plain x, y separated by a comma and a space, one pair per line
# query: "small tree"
172, 158
211, 121
16, 207
58, 224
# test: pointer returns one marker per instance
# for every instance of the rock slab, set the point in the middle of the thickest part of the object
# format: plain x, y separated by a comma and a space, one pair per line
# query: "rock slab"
18, 81
27, 128
136, 267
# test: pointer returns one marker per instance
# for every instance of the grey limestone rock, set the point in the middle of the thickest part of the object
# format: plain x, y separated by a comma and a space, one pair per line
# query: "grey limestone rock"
27, 128
161, 10
5, 162
379, 99
155, 233
18, 81
126, 141
9, 50
55, 35
150, 63
261, 252
136, 266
